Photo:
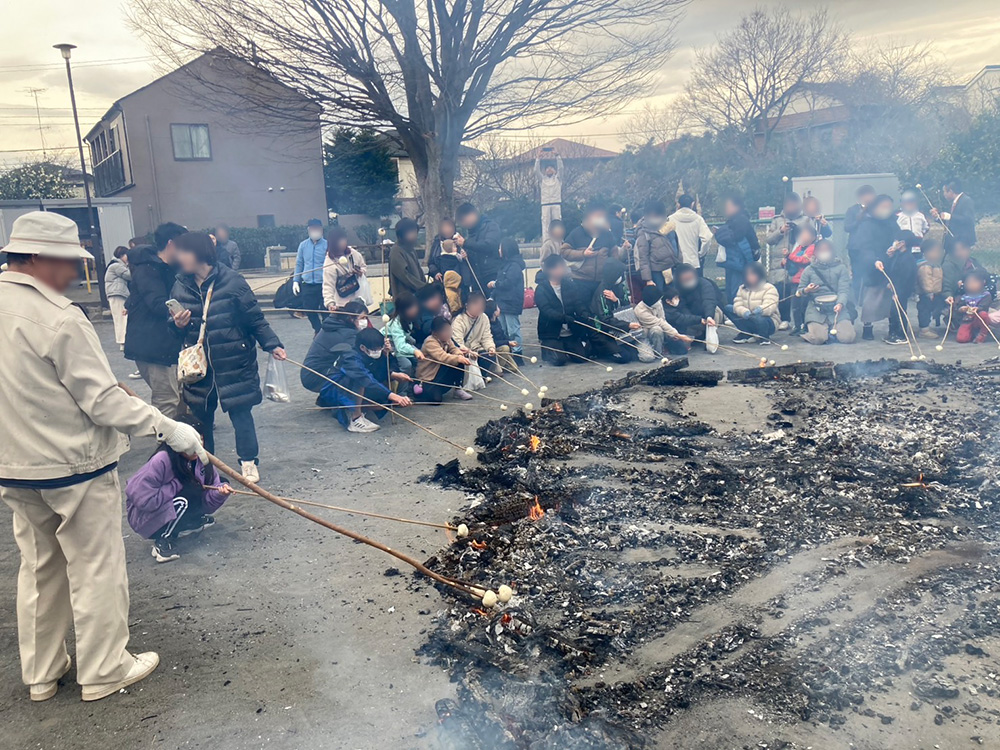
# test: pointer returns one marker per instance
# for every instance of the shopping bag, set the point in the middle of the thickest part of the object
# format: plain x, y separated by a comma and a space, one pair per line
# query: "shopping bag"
275, 382
712, 339
365, 290
473, 378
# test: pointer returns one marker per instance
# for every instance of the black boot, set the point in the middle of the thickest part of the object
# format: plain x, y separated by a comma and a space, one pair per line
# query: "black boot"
867, 334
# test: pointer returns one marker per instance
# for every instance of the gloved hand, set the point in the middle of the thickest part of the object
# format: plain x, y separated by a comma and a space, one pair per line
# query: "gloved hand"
746, 313
758, 310
185, 439
296, 288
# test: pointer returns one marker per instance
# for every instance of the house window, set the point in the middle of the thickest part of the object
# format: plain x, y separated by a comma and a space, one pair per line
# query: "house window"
191, 142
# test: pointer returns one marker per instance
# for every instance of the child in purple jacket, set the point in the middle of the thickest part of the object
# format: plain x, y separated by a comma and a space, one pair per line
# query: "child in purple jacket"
167, 498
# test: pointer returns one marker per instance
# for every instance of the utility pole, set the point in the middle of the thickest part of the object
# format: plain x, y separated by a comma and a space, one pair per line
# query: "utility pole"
38, 113
95, 240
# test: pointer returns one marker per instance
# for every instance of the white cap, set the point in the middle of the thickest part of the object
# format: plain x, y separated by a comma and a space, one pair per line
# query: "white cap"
48, 234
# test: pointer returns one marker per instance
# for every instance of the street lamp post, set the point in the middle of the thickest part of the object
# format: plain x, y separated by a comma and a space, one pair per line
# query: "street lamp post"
95, 241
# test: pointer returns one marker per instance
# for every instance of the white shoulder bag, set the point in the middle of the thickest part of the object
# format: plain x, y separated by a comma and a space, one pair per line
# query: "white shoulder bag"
192, 362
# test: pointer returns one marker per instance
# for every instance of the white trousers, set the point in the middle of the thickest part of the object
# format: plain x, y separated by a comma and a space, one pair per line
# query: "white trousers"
550, 212
72, 571
117, 305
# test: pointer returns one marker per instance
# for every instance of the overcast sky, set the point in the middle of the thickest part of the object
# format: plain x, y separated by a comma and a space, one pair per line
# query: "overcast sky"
966, 32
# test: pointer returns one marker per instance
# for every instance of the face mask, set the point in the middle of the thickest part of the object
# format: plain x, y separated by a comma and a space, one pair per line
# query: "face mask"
883, 213
362, 324
824, 257
372, 355
315, 235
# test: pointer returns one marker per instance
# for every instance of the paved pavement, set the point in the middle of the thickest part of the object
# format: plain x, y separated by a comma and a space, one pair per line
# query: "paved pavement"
276, 633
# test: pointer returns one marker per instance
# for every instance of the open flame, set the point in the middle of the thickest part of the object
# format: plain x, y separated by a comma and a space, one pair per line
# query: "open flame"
918, 483
476, 544
535, 512
534, 443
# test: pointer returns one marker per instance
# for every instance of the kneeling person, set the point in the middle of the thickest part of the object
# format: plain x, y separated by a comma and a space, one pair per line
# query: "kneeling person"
443, 366
650, 314
825, 285
362, 383
471, 331
755, 309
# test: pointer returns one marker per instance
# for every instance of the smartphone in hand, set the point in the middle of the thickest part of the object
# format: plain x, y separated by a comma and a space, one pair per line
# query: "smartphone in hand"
174, 307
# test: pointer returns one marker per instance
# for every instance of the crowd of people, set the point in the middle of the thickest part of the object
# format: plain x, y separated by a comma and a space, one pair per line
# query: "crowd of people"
622, 286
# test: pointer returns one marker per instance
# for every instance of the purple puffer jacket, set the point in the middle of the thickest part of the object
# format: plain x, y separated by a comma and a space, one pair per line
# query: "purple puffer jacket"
150, 493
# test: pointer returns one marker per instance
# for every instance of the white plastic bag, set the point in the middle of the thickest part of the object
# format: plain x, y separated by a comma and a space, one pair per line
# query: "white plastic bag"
711, 339
364, 290
720, 257
474, 380
275, 382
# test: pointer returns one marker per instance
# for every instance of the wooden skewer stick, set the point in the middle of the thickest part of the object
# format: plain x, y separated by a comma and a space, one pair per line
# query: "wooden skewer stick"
281, 502
353, 511
490, 373
415, 403
620, 341
947, 328
568, 354
899, 309
380, 405
734, 328
931, 204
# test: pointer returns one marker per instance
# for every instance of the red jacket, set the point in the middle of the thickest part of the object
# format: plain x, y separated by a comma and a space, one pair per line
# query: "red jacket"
797, 262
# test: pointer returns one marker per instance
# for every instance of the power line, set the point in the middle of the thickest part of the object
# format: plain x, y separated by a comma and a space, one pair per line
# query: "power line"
82, 64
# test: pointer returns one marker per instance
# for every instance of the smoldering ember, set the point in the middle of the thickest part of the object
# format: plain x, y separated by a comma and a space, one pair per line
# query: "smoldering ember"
669, 574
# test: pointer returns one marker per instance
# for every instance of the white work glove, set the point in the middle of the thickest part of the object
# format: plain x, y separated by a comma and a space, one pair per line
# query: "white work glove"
296, 288
185, 439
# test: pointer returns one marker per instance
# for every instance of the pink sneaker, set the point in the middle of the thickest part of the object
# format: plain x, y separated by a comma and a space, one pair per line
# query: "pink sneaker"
462, 395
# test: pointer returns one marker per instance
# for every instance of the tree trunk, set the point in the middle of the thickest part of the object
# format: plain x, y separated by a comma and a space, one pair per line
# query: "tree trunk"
437, 184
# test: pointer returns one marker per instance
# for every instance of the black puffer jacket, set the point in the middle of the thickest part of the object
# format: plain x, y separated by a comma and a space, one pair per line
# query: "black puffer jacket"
335, 338
482, 244
553, 312
235, 326
150, 335
509, 290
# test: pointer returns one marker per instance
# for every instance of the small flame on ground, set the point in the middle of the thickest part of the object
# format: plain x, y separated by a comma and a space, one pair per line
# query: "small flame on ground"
476, 544
535, 443
536, 512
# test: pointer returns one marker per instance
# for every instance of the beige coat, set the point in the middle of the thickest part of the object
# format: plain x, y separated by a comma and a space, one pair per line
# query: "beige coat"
436, 353
63, 412
473, 334
764, 295
651, 319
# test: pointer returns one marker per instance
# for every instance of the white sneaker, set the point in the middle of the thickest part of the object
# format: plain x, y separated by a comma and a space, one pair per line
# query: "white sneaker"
250, 471
784, 325
141, 669
462, 395
45, 690
135, 375
362, 425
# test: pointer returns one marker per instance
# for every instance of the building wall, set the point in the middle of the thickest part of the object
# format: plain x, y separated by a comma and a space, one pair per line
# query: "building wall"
252, 172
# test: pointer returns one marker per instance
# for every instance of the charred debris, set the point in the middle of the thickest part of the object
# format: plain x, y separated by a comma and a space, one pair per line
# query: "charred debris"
658, 560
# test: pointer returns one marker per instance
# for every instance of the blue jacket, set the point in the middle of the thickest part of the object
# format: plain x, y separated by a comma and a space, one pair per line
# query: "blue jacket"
309, 260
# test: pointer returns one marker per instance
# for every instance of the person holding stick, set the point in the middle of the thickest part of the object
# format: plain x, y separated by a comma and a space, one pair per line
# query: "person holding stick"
481, 245
656, 246
166, 499
368, 369
853, 218
471, 332
960, 221
875, 235
973, 305
559, 306
661, 335
588, 247
825, 289
400, 332
699, 296
336, 337
443, 365
64, 416
755, 309
930, 286
549, 186
782, 236
344, 272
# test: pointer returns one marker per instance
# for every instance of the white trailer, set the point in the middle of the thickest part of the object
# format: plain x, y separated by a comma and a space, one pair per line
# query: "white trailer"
114, 218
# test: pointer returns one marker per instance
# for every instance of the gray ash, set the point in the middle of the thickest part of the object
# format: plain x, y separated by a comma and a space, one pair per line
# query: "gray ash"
675, 563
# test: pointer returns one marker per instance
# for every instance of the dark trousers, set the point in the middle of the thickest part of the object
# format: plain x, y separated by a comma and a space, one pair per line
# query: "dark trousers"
311, 298
563, 350
897, 326
755, 325
799, 311
734, 279
242, 419
189, 513
446, 379
660, 280
785, 306
928, 307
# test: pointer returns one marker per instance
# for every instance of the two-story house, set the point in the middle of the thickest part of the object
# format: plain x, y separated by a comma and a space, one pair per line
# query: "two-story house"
184, 150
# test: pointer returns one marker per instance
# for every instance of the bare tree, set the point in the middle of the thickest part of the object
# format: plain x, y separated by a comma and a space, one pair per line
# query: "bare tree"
656, 124
435, 73
743, 85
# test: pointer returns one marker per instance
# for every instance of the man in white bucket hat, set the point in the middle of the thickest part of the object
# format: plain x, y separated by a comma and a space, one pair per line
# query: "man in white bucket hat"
63, 413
